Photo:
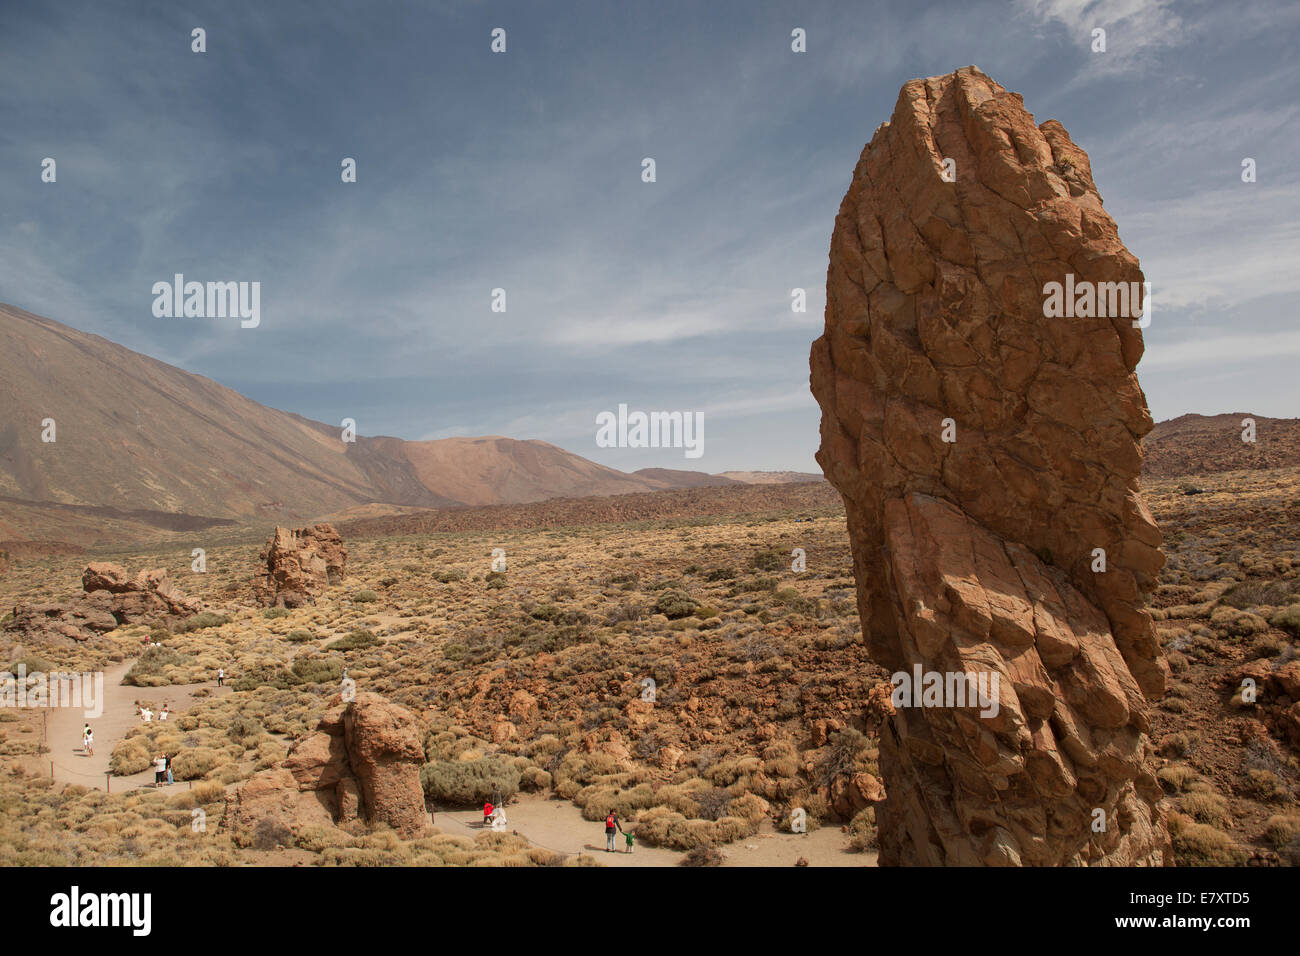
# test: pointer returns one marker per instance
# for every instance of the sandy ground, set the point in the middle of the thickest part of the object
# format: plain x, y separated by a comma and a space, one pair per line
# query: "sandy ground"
63, 727
558, 825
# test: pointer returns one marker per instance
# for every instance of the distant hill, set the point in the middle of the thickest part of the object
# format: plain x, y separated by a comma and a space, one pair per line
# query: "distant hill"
676, 478
809, 498
772, 477
150, 440
1206, 444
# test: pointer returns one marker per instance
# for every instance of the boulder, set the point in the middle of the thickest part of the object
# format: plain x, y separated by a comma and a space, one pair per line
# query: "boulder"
300, 565
109, 598
987, 450
149, 596
363, 760
272, 796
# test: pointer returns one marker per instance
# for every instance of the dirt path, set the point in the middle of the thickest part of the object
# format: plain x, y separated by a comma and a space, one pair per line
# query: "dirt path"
73, 765
559, 826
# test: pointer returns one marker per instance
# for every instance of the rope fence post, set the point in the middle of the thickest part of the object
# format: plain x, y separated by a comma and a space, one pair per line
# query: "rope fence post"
108, 783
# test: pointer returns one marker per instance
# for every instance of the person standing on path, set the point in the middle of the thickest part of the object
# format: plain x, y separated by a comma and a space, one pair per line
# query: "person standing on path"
88, 741
159, 770
169, 769
611, 826
221, 677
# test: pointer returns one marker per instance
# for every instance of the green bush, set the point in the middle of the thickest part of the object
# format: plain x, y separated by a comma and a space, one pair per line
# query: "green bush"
198, 622
468, 782
300, 636
365, 597
274, 612
318, 670
675, 604
358, 638
1287, 619
32, 665
148, 670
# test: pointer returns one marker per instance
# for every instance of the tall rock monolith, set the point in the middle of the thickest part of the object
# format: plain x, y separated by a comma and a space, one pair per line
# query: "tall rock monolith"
981, 417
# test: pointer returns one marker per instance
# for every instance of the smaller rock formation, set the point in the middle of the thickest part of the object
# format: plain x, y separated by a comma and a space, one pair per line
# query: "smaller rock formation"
151, 595
61, 623
300, 564
363, 761
110, 598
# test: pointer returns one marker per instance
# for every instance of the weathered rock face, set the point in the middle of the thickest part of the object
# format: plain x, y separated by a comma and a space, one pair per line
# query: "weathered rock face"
300, 564
110, 598
363, 761
151, 595
70, 622
986, 453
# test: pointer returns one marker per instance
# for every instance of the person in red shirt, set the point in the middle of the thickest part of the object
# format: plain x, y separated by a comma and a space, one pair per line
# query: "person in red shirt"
487, 812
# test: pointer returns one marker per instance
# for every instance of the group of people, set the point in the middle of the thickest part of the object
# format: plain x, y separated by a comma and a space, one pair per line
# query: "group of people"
494, 809
147, 715
612, 825
162, 770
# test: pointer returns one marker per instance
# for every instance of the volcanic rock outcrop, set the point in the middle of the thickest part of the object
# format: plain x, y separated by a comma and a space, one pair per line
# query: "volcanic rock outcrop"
300, 564
110, 598
989, 457
150, 595
363, 761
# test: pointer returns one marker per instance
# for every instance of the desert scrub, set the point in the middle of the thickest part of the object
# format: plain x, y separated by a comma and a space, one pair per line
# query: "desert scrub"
1206, 807
674, 604
468, 782
1198, 844
299, 636
1282, 829
365, 597
160, 666
356, 639
200, 621
1176, 778
271, 613
1287, 619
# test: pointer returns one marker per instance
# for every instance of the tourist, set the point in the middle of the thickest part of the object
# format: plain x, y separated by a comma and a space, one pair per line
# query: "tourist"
88, 741
487, 812
159, 770
146, 714
221, 677
164, 712
611, 826
170, 780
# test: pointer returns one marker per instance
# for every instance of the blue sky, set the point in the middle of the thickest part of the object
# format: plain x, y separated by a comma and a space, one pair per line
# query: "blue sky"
522, 171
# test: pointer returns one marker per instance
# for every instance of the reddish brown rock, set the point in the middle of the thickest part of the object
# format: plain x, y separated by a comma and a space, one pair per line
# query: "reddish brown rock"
80, 619
385, 754
269, 809
109, 598
976, 554
300, 565
149, 596
363, 760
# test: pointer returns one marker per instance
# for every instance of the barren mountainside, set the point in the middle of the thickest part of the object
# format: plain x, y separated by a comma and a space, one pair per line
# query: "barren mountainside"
1208, 444
135, 434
